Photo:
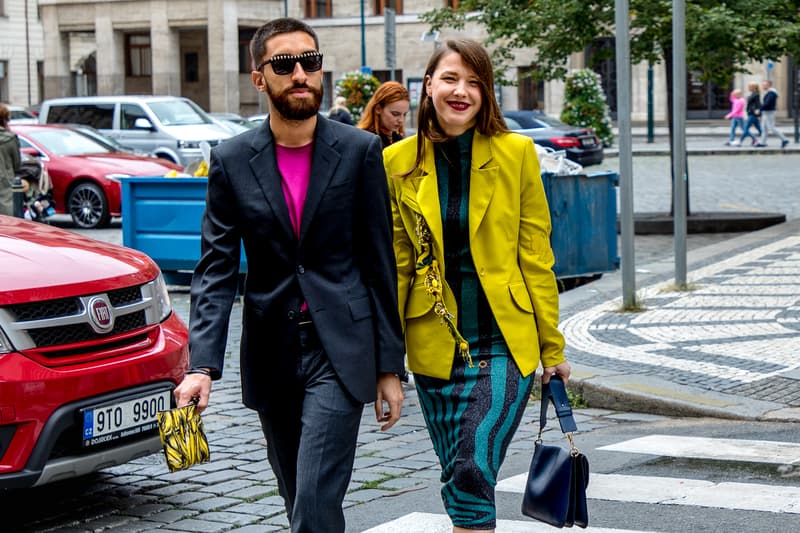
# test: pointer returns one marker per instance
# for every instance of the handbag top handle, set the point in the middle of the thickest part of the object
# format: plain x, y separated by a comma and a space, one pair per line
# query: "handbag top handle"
556, 392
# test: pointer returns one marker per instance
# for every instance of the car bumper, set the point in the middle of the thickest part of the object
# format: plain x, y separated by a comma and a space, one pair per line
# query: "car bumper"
586, 156
40, 424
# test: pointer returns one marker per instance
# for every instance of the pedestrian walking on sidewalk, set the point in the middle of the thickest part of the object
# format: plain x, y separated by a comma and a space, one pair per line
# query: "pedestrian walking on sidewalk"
308, 199
768, 104
477, 294
736, 116
753, 109
9, 162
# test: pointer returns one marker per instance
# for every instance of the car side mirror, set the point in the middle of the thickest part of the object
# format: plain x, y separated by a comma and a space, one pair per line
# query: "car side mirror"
33, 152
142, 123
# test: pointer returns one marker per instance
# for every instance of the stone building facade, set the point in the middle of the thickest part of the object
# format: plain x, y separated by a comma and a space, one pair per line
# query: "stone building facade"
198, 49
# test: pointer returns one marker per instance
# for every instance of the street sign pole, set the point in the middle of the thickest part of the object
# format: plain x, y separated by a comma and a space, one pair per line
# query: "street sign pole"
679, 138
389, 38
625, 152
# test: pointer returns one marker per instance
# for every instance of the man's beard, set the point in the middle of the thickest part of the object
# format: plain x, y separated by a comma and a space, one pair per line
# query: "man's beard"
296, 109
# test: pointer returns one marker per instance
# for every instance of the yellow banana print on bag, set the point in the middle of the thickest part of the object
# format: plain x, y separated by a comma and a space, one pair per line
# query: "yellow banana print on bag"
183, 438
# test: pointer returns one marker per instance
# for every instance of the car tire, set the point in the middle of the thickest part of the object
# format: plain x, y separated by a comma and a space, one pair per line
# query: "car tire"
88, 206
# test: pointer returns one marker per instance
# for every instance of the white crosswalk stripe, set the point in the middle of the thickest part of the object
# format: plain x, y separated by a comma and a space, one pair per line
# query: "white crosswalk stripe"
440, 523
654, 489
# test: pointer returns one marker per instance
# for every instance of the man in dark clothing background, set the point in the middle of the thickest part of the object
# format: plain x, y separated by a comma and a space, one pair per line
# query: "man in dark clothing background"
768, 115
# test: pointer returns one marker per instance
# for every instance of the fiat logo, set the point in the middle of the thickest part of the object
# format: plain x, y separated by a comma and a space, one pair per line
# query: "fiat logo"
101, 314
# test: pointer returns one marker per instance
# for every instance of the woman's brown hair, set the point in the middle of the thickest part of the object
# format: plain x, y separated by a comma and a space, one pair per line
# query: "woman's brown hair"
489, 120
388, 93
5, 115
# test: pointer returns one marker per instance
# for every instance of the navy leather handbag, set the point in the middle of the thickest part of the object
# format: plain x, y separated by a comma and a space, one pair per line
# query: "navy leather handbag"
556, 489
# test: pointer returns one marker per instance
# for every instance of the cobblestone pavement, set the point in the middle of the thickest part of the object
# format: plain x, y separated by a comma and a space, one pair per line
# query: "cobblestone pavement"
728, 346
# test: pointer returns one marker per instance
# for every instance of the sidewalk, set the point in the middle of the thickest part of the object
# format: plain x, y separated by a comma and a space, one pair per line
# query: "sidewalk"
728, 348
703, 139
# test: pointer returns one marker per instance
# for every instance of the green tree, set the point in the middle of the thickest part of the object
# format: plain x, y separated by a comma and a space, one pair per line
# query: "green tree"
721, 35
357, 88
585, 104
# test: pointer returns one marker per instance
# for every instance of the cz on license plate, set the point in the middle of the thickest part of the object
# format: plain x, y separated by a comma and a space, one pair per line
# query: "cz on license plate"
111, 421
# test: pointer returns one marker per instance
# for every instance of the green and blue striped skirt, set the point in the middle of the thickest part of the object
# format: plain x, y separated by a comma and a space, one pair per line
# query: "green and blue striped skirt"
471, 419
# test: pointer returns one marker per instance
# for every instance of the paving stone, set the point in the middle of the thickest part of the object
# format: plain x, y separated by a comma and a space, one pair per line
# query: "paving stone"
213, 504
226, 517
195, 525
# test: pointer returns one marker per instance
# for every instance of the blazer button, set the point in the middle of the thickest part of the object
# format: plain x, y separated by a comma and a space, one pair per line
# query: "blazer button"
291, 315
300, 269
483, 272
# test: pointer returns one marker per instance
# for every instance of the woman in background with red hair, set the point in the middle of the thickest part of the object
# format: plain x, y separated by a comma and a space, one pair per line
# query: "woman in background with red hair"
385, 114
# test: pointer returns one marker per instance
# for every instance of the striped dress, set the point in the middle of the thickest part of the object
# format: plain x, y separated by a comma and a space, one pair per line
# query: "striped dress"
472, 416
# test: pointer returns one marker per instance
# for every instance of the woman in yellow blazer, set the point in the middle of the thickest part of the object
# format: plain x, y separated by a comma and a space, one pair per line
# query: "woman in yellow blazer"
477, 294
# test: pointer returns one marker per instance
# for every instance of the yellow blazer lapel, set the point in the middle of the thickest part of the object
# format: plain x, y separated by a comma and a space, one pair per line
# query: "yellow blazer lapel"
483, 179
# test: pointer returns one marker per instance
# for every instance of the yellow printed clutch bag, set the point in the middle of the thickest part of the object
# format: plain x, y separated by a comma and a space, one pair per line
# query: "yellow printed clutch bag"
183, 438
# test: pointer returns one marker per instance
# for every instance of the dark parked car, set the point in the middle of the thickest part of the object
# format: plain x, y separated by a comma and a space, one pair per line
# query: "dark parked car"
580, 144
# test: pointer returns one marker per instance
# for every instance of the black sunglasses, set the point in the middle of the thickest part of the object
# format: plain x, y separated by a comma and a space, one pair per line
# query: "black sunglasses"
283, 64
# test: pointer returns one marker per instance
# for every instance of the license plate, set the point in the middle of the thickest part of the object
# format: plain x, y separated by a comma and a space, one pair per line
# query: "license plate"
111, 421
587, 141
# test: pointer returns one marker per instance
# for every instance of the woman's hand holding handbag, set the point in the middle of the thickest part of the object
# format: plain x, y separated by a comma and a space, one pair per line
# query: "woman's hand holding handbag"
556, 489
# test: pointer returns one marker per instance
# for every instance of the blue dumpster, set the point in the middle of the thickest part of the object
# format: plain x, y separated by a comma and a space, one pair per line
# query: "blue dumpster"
162, 219
583, 210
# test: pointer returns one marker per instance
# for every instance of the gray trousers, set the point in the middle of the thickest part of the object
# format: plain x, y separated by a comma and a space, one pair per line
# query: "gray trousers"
311, 441
767, 125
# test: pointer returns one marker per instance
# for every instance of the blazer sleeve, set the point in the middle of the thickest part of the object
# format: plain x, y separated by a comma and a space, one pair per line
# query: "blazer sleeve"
536, 258
216, 276
378, 262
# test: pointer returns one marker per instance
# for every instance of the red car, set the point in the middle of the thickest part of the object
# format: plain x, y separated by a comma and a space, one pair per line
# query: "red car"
84, 172
90, 350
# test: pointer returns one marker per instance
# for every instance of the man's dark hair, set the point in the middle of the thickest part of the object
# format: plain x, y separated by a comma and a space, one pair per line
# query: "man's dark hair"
258, 44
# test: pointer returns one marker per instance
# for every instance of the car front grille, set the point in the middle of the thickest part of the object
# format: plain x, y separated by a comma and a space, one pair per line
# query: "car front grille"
44, 326
72, 333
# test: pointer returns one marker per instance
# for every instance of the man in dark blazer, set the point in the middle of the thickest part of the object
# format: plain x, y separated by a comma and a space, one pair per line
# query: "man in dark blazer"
321, 337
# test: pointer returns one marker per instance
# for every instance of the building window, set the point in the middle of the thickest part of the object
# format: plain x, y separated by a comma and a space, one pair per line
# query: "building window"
317, 9
139, 56
2, 8
4, 97
191, 67
246, 63
380, 5
451, 4
531, 91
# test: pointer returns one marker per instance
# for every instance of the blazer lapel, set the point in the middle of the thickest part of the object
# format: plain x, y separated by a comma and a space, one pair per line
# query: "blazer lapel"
483, 179
265, 169
323, 165
421, 193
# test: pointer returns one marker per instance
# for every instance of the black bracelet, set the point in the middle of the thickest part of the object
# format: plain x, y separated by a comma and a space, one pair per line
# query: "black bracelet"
203, 371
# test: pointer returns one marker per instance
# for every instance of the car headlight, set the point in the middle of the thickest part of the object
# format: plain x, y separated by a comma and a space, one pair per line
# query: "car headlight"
116, 176
161, 302
189, 144
5, 344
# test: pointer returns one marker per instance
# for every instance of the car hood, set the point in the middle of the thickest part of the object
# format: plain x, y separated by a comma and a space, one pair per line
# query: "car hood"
132, 164
199, 132
44, 262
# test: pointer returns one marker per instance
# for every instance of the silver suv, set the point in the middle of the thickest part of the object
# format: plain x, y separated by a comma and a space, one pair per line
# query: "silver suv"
170, 127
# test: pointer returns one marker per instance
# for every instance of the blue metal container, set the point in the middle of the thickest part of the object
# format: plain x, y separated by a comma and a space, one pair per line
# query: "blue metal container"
583, 210
162, 217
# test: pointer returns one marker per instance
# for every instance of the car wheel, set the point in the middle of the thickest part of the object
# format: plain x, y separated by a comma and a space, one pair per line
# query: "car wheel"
88, 206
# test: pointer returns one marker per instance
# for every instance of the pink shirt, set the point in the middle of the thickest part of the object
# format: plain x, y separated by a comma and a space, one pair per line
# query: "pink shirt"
737, 107
294, 165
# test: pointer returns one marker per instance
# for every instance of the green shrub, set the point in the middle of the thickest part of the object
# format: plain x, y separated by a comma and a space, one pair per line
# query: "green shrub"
357, 88
585, 104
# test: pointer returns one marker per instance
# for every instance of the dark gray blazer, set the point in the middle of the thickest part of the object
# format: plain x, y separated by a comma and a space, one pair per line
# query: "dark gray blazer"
342, 265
